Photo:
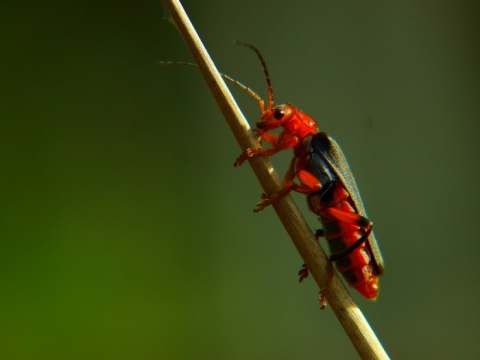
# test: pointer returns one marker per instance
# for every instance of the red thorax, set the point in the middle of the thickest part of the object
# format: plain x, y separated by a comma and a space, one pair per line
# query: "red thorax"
296, 126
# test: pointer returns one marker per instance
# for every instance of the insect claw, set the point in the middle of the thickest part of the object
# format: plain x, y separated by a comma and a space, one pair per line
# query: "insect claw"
241, 159
322, 301
265, 201
260, 206
249, 153
252, 152
303, 273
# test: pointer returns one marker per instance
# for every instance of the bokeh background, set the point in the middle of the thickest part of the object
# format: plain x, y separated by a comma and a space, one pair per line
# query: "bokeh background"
126, 233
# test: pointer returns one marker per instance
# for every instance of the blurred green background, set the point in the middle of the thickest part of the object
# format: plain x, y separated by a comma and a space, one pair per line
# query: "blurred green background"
126, 233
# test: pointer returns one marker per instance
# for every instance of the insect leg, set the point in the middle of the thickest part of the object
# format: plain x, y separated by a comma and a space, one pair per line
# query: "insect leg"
309, 184
348, 217
352, 248
303, 273
322, 301
267, 200
252, 153
270, 138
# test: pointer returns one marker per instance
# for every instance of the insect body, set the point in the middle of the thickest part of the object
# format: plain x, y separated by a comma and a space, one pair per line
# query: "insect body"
345, 226
326, 179
324, 176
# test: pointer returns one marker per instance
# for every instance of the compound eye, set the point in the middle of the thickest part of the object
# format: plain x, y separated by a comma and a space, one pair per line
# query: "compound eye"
278, 113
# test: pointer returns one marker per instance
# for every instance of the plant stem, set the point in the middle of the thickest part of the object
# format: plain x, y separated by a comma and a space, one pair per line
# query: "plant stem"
347, 312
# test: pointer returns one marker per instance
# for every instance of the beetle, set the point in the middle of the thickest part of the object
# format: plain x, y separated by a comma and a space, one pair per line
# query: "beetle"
325, 177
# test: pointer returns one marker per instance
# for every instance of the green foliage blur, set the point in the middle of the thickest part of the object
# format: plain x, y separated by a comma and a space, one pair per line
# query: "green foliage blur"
125, 231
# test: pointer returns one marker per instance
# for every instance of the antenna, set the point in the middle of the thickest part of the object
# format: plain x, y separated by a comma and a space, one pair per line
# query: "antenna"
265, 70
224, 76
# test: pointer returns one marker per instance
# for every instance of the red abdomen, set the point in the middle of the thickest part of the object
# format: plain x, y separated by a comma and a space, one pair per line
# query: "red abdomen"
354, 261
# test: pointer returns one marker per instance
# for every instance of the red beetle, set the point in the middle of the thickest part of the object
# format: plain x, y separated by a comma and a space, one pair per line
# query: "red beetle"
324, 176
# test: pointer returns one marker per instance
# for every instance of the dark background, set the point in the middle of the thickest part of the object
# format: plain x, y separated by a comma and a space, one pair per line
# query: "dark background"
126, 233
